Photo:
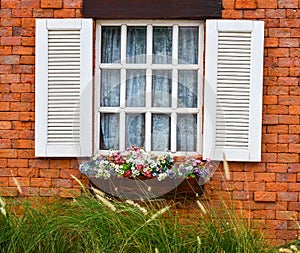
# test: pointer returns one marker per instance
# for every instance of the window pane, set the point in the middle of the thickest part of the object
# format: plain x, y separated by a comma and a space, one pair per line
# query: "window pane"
109, 131
162, 45
188, 45
161, 125
187, 88
161, 88
135, 88
111, 44
135, 130
186, 132
110, 87
136, 45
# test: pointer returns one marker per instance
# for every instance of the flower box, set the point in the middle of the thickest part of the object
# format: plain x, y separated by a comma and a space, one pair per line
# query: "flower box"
144, 188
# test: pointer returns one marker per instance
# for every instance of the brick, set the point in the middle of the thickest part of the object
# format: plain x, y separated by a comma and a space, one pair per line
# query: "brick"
10, 78
8, 172
294, 168
17, 163
270, 119
232, 186
287, 196
286, 62
287, 4
3, 181
277, 148
271, 22
25, 59
280, 72
11, 97
283, 129
19, 125
245, 4
27, 97
277, 109
289, 22
51, 4
24, 135
263, 4
28, 172
38, 163
294, 206
255, 186
5, 125
20, 50
294, 187
27, 116
243, 176
294, 109
20, 87
286, 215
295, 32
67, 173
21, 181
285, 177
9, 116
270, 100
231, 14
62, 183
5, 143
275, 13
263, 196
288, 80
288, 158
73, 4
8, 153
40, 182
269, 138
264, 177
30, 3
270, 80
294, 148
254, 167
8, 191
288, 42
269, 157
242, 195
49, 173
264, 214
22, 144
276, 186
20, 106
294, 129
43, 13
270, 61
288, 119
278, 52
60, 164
9, 59
3, 163
254, 14
295, 90
10, 4
276, 224
26, 153
49, 192
69, 193
64, 13
30, 192
271, 42
23, 69
295, 71
4, 106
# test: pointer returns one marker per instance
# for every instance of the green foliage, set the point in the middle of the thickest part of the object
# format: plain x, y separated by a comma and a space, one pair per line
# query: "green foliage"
96, 224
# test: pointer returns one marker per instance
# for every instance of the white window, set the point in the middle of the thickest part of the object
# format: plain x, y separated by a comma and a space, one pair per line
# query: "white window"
148, 87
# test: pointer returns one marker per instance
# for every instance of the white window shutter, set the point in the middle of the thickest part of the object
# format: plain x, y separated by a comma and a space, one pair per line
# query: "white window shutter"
233, 90
63, 88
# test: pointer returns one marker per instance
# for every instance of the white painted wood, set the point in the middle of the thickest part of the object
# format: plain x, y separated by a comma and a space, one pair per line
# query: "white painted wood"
63, 88
233, 90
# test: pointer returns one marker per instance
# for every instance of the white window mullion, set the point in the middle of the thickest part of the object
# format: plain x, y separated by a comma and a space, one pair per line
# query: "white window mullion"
123, 43
148, 129
149, 44
173, 132
122, 130
175, 45
174, 88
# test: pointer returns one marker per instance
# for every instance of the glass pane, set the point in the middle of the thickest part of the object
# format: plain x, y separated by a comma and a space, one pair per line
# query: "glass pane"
162, 45
110, 87
109, 131
135, 88
136, 45
135, 130
187, 88
161, 88
161, 127
186, 132
188, 45
111, 44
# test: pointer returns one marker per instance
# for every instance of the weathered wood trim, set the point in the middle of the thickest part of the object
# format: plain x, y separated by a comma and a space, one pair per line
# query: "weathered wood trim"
154, 9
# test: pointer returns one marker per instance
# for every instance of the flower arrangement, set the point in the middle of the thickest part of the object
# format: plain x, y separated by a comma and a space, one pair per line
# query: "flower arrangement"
135, 162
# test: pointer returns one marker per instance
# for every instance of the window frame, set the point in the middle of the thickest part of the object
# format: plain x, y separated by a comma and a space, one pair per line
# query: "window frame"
174, 65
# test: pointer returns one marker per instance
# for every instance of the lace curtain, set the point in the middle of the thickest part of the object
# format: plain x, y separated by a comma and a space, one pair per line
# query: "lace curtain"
161, 87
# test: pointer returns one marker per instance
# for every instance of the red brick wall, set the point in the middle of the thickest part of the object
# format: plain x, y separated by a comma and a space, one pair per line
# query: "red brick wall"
35, 177
268, 191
